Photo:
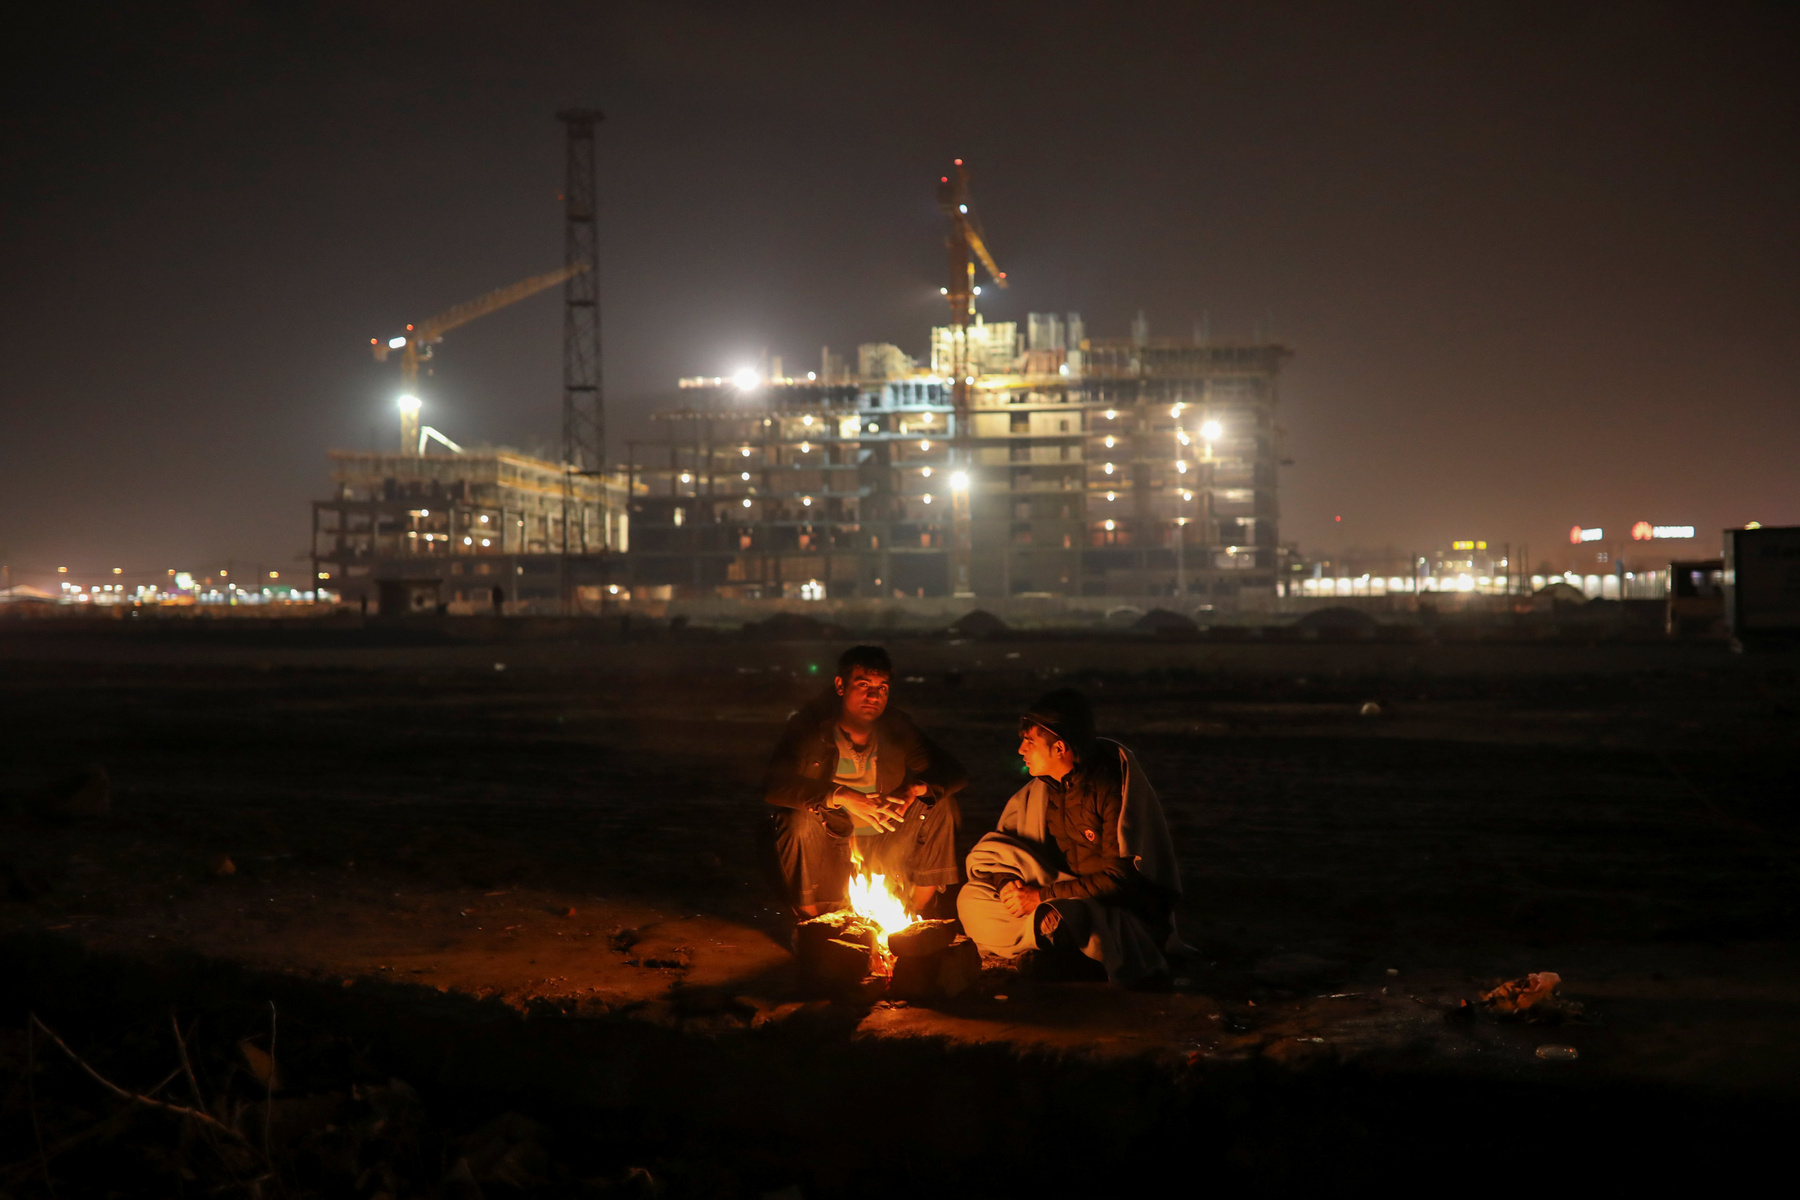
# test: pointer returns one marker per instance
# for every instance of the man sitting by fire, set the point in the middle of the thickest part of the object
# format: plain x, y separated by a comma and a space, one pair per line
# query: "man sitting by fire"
855, 779
1082, 863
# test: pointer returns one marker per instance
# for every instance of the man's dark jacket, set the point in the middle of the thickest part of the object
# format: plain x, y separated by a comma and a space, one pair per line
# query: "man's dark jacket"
805, 760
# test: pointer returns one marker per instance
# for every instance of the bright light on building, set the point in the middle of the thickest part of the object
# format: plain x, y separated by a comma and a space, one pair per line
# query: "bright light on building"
927, 497
806, 501
686, 478
1187, 495
1210, 430
926, 472
925, 445
1111, 496
409, 404
1181, 465
745, 451
394, 343
1578, 535
943, 291
806, 447
744, 475
927, 418
62, 570
1112, 414
959, 482
1109, 468
1111, 525
745, 379
806, 421
612, 589
812, 375
746, 504
1109, 441
118, 570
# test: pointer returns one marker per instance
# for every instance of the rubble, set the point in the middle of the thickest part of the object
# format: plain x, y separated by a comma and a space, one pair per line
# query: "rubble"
1533, 999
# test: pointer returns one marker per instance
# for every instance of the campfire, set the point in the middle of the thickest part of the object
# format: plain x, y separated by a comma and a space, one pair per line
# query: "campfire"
876, 943
877, 904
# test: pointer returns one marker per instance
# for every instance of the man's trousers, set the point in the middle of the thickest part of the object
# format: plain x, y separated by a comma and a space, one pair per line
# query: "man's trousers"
814, 852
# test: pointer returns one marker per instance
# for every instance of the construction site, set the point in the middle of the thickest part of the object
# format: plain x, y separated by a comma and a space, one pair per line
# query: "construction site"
1016, 466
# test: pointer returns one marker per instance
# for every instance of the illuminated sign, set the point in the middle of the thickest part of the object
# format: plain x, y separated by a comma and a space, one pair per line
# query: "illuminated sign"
1465, 545
1644, 531
1578, 535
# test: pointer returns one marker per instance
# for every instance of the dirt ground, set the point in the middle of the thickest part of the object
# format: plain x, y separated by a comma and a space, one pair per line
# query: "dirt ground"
1369, 834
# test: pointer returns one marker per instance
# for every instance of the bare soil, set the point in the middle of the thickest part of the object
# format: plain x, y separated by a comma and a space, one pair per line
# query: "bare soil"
566, 829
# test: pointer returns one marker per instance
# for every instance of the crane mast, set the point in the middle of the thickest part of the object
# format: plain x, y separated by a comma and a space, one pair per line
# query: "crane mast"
966, 245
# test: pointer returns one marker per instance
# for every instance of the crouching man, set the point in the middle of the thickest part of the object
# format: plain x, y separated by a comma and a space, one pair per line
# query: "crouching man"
1082, 862
851, 775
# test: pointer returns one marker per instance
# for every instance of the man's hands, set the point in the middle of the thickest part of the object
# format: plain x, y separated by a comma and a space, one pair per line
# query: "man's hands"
879, 812
1020, 899
882, 812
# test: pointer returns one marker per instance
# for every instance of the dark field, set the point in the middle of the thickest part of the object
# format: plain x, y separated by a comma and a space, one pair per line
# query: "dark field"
413, 827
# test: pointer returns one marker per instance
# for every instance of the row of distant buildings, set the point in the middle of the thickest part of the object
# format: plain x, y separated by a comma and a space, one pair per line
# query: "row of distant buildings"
1073, 466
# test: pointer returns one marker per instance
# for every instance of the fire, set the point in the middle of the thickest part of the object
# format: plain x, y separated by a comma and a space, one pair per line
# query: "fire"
871, 899
876, 901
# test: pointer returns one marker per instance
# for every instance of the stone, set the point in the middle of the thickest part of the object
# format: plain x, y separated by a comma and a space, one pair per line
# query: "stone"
810, 935
839, 963
922, 939
959, 967
916, 977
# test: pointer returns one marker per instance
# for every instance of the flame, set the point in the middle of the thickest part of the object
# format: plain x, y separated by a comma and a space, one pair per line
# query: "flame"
872, 900
877, 901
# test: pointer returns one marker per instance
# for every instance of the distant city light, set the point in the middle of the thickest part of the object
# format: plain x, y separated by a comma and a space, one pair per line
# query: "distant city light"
118, 570
745, 379
1578, 535
62, 570
1644, 531
962, 208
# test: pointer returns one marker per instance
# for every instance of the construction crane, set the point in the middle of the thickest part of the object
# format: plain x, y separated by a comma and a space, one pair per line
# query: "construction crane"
415, 345
966, 244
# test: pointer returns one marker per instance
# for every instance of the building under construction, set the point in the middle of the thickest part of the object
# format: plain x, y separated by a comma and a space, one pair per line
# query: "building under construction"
1066, 466
468, 530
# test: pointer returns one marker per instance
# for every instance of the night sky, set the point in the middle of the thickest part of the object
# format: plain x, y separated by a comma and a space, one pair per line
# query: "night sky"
1538, 262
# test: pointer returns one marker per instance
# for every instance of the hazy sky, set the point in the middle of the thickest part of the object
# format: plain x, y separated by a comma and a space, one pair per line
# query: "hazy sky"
1538, 262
